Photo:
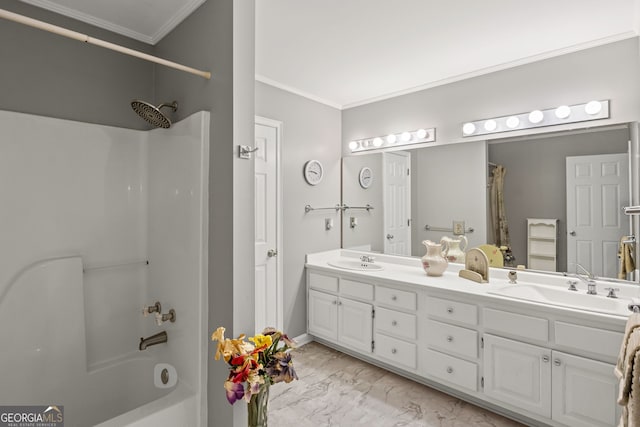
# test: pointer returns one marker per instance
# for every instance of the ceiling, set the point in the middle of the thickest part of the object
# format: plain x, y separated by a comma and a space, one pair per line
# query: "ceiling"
350, 52
145, 20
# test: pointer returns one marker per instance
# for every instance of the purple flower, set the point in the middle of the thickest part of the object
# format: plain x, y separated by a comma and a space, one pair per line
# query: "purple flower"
235, 391
281, 368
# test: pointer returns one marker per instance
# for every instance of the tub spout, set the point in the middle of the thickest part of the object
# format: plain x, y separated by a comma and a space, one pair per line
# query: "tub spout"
158, 338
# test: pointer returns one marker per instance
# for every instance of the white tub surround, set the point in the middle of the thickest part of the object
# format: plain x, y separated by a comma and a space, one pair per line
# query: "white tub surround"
541, 363
98, 222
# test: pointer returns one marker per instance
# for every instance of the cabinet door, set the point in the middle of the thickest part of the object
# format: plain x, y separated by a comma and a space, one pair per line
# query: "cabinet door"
584, 392
323, 315
355, 324
518, 374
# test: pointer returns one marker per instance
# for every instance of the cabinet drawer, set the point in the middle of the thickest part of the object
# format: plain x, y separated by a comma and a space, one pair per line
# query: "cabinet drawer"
518, 325
356, 289
452, 310
452, 339
397, 351
452, 369
396, 323
323, 283
396, 298
592, 340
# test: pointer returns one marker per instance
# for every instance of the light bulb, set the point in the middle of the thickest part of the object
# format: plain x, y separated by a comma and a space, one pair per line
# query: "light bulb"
353, 145
468, 128
563, 112
490, 125
391, 139
421, 133
536, 116
377, 141
405, 137
592, 108
513, 122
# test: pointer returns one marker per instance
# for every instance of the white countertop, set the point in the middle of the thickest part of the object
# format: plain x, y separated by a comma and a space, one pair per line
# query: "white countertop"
408, 271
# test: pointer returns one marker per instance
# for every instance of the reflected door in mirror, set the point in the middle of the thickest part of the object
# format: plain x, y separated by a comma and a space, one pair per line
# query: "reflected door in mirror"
597, 189
397, 203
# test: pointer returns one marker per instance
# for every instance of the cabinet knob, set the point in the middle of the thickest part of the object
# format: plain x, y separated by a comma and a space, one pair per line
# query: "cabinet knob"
339, 302
394, 298
545, 359
450, 310
394, 323
449, 338
394, 351
334, 302
449, 370
557, 362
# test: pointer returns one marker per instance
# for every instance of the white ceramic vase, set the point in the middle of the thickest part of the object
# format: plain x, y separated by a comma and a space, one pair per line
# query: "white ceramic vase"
435, 261
457, 248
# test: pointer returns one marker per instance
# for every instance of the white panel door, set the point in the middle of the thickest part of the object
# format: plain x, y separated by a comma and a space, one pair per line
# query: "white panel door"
323, 315
518, 374
355, 324
397, 203
268, 301
584, 392
597, 189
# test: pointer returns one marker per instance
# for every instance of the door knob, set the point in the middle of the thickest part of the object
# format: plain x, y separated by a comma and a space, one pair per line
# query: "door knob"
389, 236
271, 253
573, 233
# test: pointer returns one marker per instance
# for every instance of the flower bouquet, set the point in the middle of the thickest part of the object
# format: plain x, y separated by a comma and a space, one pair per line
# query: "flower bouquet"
254, 366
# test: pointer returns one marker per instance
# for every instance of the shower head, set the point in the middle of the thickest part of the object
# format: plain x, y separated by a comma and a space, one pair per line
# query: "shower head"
152, 114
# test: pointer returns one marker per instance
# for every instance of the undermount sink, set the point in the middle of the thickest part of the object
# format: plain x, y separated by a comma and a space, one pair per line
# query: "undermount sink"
355, 264
565, 298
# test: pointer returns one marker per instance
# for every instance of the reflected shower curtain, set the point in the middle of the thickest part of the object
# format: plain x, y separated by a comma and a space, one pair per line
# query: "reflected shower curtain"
498, 212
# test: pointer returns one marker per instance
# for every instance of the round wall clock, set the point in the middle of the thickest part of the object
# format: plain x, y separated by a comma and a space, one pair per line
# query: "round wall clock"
366, 177
313, 172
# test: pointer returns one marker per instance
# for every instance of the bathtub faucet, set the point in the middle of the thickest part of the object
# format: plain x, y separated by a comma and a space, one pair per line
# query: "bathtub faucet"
158, 338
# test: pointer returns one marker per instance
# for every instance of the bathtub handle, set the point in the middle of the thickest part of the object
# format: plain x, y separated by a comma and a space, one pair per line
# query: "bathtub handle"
155, 308
170, 316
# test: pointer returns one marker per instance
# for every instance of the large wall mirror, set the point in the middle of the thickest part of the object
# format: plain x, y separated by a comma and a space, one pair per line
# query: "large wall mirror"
577, 182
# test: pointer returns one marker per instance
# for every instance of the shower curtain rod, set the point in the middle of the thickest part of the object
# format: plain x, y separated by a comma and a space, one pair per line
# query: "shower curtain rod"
21, 19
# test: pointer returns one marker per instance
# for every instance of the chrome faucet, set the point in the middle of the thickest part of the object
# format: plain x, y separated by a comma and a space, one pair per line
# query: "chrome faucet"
367, 258
590, 280
158, 338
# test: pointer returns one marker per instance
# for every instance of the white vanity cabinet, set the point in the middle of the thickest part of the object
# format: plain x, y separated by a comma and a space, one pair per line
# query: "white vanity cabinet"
518, 374
567, 388
540, 364
396, 326
335, 315
451, 345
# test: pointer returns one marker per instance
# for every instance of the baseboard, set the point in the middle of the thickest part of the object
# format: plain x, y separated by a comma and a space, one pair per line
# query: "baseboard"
303, 339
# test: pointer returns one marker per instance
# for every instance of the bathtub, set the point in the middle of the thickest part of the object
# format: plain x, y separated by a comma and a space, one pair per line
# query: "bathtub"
103, 221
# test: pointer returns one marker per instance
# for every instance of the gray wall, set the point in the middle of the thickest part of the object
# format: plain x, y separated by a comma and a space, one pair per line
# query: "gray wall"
219, 37
535, 183
50, 75
310, 131
607, 72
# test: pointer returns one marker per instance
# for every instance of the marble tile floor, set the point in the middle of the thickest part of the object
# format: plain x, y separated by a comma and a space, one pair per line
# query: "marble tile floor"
335, 389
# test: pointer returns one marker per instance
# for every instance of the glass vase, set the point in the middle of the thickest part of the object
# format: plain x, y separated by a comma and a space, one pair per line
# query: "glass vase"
258, 406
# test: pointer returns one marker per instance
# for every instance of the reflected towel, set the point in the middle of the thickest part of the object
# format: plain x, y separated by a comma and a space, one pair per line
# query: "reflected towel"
625, 256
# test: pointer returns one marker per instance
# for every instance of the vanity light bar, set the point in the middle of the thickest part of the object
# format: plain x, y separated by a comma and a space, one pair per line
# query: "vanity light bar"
593, 110
400, 139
